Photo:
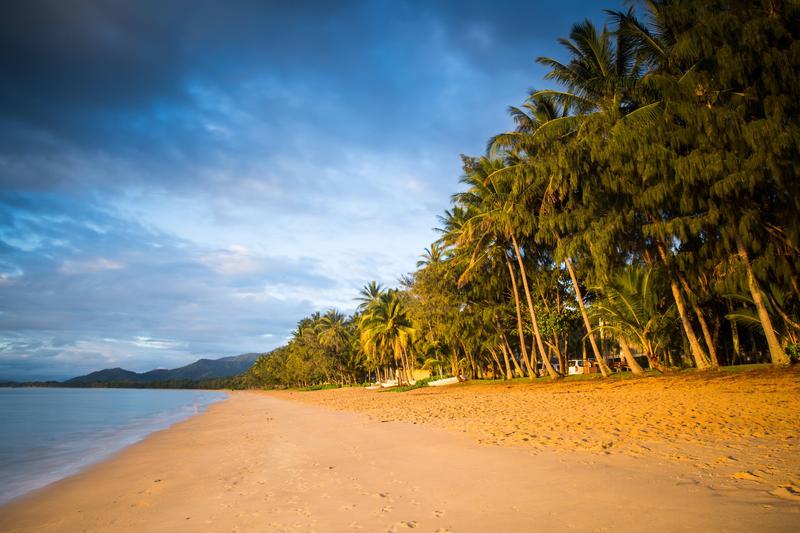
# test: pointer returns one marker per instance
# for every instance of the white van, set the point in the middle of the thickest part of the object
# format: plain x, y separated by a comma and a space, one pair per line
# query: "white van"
575, 366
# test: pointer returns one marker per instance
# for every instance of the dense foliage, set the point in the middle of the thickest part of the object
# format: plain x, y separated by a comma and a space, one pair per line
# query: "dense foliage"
647, 207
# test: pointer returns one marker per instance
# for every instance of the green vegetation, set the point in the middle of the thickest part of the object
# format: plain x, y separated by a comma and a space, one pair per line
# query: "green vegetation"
418, 384
232, 382
321, 386
647, 207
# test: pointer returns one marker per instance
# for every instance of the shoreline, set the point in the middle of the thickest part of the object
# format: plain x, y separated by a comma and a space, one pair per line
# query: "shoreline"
261, 461
115, 440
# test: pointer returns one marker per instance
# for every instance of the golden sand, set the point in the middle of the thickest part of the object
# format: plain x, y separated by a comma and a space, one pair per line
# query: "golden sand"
454, 460
743, 426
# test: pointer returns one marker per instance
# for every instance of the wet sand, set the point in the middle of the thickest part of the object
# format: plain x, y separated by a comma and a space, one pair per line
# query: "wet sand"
266, 462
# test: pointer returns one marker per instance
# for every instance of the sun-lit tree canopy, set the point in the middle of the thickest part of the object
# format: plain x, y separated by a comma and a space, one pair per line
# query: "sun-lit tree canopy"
645, 213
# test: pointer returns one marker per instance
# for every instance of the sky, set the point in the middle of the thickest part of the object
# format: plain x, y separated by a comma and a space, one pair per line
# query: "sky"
189, 179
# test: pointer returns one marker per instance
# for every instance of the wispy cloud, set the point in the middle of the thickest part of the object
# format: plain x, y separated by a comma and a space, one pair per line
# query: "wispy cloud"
89, 266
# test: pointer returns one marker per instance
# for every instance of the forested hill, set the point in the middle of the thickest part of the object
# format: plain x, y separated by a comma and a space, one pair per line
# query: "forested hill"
203, 369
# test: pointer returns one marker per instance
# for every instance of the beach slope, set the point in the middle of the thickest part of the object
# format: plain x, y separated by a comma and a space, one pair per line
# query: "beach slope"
261, 462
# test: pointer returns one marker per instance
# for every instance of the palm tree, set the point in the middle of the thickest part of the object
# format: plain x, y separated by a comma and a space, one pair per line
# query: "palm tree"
632, 307
386, 327
433, 255
334, 336
599, 76
468, 254
602, 79
490, 202
777, 303
540, 111
369, 294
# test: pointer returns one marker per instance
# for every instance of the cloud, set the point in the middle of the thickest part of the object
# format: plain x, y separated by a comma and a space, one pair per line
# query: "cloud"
181, 182
166, 304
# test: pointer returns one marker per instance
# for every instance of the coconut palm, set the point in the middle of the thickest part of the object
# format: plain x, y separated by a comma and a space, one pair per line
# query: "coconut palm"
602, 80
433, 255
334, 335
632, 306
369, 294
600, 74
538, 189
386, 328
490, 203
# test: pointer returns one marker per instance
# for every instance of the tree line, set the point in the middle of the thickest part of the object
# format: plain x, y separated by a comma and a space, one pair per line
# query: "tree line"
644, 206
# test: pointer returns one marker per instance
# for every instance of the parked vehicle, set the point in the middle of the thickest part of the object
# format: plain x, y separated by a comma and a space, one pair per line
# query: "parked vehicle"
540, 366
575, 366
618, 364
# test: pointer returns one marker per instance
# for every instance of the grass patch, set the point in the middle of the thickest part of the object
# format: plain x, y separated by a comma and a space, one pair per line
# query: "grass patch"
744, 368
615, 376
626, 376
321, 386
418, 385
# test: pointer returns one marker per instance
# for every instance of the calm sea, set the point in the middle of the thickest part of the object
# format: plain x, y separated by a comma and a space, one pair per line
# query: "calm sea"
48, 434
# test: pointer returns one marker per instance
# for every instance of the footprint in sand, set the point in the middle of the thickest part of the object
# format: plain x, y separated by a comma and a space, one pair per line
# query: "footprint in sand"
787, 492
748, 476
438, 514
400, 526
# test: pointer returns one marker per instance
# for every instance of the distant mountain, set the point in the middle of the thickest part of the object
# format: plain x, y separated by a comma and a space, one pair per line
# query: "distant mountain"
199, 370
105, 376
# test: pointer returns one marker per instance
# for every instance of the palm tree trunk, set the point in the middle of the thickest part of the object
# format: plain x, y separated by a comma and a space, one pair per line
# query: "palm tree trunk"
712, 350
776, 352
700, 358
795, 286
507, 352
539, 343
562, 361
454, 361
497, 362
578, 296
535, 358
735, 341
509, 375
626, 353
585, 360
403, 372
409, 367
655, 362
519, 318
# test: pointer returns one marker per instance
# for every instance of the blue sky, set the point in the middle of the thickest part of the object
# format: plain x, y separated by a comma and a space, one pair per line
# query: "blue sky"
189, 179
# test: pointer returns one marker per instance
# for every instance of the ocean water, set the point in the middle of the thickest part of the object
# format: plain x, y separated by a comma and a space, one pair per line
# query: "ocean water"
48, 434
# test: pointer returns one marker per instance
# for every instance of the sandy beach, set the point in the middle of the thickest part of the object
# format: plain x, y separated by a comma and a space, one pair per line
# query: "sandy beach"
454, 460
744, 425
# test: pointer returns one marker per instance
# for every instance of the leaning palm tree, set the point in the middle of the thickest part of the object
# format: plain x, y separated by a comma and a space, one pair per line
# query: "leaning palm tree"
491, 203
601, 79
538, 112
776, 303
